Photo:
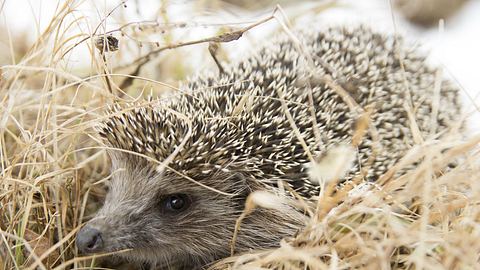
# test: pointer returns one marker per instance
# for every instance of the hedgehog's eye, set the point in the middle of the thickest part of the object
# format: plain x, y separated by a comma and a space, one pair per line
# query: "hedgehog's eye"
176, 202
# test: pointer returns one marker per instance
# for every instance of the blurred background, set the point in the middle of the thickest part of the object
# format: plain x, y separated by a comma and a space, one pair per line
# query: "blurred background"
448, 31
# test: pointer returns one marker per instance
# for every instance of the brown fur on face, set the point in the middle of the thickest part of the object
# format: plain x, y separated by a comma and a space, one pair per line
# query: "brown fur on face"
132, 217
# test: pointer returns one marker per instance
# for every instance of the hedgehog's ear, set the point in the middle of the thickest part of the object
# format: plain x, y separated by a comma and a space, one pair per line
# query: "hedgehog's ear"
129, 161
239, 184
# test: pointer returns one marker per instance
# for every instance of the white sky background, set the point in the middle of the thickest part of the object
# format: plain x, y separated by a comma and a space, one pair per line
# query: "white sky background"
457, 48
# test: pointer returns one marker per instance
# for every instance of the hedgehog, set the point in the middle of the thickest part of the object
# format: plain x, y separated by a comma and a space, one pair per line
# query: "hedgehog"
183, 166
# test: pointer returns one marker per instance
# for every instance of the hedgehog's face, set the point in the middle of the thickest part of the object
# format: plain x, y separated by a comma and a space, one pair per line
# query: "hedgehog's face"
164, 218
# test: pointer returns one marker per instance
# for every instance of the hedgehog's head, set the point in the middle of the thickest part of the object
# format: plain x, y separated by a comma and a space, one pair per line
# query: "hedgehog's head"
164, 216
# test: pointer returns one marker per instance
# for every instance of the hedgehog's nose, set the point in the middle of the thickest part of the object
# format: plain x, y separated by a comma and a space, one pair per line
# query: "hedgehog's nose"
89, 240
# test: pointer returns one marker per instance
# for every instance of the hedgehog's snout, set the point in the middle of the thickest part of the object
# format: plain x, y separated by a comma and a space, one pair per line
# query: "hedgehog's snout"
89, 240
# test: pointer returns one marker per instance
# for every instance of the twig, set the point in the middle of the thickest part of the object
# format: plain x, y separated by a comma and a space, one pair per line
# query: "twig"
213, 48
105, 71
225, 37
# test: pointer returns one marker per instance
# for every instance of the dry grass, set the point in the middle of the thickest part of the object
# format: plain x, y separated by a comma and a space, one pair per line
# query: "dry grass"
426, 219
52, 166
